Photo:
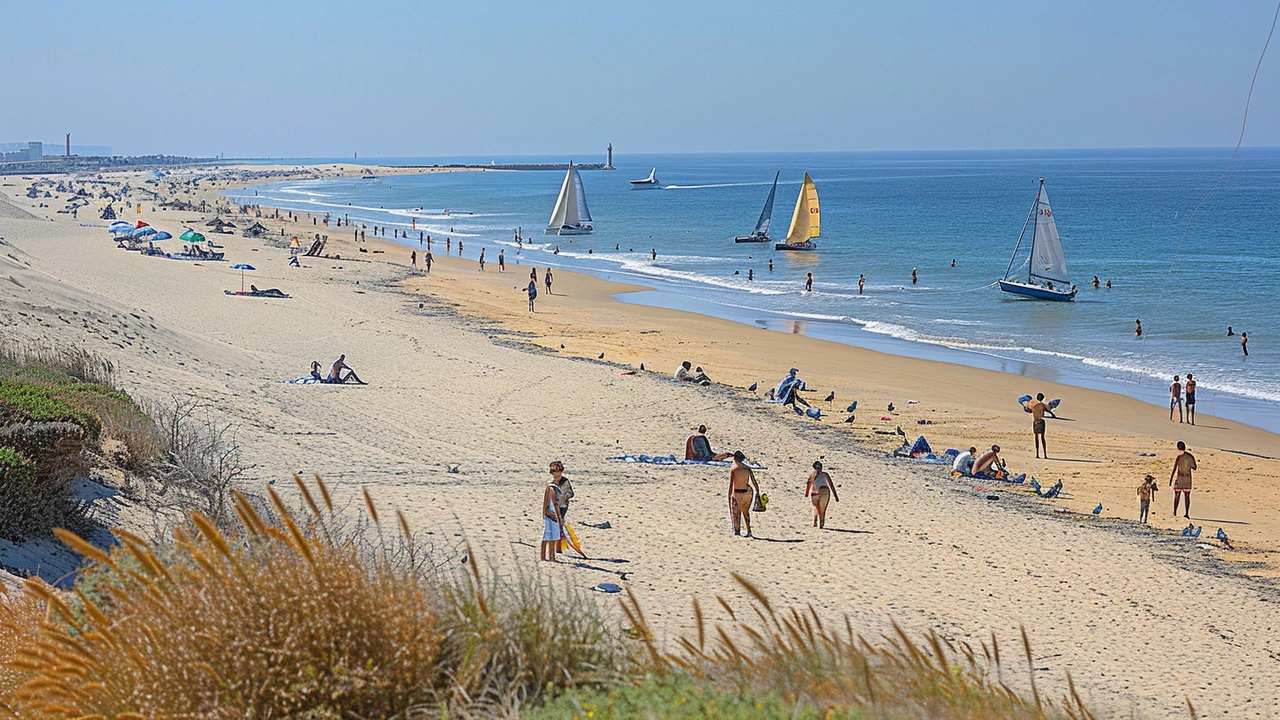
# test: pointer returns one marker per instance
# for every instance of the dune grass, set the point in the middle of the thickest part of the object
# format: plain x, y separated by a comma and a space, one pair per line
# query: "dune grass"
303, 616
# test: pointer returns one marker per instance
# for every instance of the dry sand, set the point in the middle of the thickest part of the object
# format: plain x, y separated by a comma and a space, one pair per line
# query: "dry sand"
461, 376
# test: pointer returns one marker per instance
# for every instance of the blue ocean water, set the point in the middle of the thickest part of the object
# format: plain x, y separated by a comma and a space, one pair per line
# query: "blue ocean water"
1121, 215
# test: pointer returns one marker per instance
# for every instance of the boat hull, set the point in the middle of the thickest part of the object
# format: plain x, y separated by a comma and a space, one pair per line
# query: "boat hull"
643, 185
584, 230
800, 247
1036, 292
752, 239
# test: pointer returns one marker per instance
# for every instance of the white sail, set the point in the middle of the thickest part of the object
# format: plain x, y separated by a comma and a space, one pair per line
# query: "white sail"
766, 215
583, 215
1047, 259
566, 209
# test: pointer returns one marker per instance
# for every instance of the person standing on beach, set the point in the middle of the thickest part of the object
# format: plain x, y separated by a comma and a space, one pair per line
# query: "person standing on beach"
820, 490
459, 248
1038, 408
533, 293
546, 280
1175, 398
654, 252
1244, 343
1191, 399
862, 282
564, 489
1146, 491
426, 260
481, 255
502, 261
808, 282
552, 524
1180, 478
448, 245
751, 274
742, 493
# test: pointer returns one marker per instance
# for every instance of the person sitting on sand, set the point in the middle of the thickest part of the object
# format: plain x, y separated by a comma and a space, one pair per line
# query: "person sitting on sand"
743, 489
988, 465
820, 490
686, 373
698, 447
315, 371
963, 466
335, 373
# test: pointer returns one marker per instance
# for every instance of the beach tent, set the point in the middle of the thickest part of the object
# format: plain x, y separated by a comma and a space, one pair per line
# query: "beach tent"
255, 230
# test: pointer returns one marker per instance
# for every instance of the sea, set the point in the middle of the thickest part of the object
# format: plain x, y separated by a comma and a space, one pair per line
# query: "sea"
1186, 266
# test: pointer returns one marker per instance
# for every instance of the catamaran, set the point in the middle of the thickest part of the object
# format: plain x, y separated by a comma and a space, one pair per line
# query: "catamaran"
649, 182
1046, 265
805, 220
570, 216
761, 232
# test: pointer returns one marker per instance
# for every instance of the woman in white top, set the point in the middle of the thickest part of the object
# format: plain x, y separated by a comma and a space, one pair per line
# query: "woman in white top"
820, 490
552, 523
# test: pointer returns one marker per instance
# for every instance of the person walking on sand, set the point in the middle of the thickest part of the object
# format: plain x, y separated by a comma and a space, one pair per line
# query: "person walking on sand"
808, 282
1175, 398
546, 280
742, 493
448, 245
533, 293
552, 524
1191, 399
1038, 408
459, 248
481, 255
413, 258
820, 490
862, 282
1244, 343
502, 261
1180, 478
1146, 491
426, 260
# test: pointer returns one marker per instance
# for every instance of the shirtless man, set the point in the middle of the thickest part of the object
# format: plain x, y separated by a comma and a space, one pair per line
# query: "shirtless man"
335, 373
742, 493
988, 465
1180, 478
1191, 399
1038, 408
1175, 398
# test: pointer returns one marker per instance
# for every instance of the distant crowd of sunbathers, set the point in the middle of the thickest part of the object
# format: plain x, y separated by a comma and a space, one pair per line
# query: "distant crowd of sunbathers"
335, 375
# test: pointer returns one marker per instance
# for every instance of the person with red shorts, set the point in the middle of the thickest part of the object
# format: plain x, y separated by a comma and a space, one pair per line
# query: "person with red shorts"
1180, 478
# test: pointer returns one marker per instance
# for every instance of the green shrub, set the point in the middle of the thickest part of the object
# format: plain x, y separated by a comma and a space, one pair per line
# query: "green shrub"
673, 697
28, 504
24, 401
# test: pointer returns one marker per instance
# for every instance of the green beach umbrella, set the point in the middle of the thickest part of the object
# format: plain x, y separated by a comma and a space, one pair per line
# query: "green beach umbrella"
191, 236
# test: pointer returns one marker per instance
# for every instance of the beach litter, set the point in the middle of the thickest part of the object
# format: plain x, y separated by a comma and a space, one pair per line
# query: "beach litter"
599, 526
1191, 530
1049, 494
673, 460
608, 588
1222, 535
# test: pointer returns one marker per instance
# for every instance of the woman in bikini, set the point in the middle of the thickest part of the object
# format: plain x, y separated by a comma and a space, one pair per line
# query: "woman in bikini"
820, 490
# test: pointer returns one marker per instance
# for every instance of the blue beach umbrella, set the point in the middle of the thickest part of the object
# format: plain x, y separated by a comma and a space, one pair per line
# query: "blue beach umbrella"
162, 235
119, 224
145, 231
242, 267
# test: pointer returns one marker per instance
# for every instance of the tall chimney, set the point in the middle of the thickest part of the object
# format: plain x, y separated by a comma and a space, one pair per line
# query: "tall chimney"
68, 144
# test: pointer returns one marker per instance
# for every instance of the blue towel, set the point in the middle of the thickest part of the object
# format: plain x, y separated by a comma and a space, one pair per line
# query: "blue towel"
304, 380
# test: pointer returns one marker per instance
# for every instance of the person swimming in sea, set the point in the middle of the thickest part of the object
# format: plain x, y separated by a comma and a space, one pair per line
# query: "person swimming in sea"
1095, 282
1137, 328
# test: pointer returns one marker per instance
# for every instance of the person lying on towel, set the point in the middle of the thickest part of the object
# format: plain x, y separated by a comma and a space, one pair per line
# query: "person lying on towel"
335, 373
698, 447
988, 465
270, 292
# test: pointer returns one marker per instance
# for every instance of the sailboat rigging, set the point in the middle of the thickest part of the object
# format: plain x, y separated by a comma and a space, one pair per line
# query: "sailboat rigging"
761, 232
805, 220
1046, 277
570, 216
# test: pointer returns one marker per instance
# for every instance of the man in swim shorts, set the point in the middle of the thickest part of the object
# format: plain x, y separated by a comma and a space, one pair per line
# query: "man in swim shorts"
1038, 408
335, 373
1175, 398
1180, 478
988, 466
742, 493
1191, 399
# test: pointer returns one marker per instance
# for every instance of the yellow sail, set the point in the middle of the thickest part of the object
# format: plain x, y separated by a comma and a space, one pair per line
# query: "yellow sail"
806, 219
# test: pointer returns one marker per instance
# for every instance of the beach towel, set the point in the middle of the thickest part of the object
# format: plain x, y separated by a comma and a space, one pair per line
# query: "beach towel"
672, 460
304, 380
608, 588
1191, 530
261, 293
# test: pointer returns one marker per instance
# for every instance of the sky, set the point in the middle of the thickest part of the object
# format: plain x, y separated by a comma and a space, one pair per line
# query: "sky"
502, 79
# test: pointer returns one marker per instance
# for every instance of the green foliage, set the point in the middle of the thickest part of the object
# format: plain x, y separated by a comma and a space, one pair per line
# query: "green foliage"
24, 401
675, 697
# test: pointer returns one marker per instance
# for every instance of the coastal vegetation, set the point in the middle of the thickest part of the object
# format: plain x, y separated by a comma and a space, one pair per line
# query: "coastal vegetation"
305, 613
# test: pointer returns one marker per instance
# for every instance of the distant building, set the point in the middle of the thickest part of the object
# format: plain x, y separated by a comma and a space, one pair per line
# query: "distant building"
16, 152
608, 162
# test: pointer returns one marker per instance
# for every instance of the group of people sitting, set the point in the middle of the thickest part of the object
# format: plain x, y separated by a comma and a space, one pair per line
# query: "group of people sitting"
335, 375
987, 466
686, 373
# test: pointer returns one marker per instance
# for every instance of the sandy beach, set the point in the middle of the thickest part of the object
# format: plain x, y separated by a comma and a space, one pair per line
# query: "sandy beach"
470, 396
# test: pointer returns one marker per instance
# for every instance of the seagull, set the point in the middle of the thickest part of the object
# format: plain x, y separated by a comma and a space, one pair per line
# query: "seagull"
890, 407
852, 406
642, 366
601, 356
753, 387
561, 346
898, 430
831, 397
1098, 510
849, 419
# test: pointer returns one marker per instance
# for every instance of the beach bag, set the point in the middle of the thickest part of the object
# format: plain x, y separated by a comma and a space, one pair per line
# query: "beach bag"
761, 503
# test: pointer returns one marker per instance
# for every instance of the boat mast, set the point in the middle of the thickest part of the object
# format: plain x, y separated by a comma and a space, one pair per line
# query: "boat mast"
1031, 214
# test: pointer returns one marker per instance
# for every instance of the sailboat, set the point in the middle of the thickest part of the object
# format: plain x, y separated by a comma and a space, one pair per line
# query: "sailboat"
570, 216
649, 182
1046, 277
761, 231
805, 220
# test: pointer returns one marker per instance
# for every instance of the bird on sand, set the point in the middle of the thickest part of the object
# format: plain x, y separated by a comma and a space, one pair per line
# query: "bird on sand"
642, 366
753, 387
852, 406
831, 397
898, 431
561, 346
601, 356
849, 419
890, 407
1098, 510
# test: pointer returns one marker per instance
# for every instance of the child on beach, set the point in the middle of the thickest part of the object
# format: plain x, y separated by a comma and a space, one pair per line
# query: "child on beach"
552, 524
533, 294
1146, 491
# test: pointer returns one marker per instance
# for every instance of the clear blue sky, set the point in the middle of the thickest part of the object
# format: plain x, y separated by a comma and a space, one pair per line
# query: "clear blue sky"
510, 78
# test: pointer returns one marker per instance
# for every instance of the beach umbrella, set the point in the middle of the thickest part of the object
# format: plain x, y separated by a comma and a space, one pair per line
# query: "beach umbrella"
242, 267
141, 224
145, 231
119, 224
162, 235
125, 229
191, 236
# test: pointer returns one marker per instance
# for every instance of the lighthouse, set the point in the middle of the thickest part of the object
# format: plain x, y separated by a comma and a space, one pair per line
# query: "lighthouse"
608, 163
